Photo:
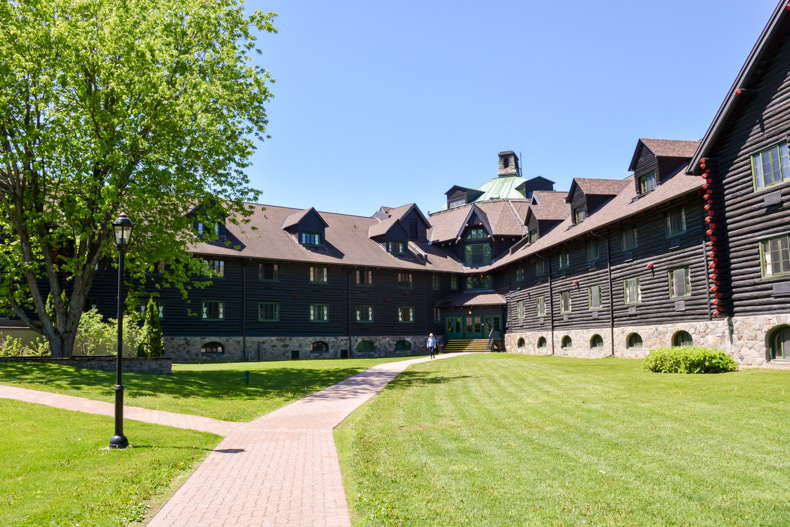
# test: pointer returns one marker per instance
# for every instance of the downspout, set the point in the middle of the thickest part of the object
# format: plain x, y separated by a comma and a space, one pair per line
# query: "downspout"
611, 294
348, 310
244, 310
551, 300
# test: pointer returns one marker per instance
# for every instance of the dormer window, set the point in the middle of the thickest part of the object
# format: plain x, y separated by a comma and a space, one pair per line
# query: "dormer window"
395, 247
533, 235
579, 214
456, 203
648, 183
477, 234
310, 238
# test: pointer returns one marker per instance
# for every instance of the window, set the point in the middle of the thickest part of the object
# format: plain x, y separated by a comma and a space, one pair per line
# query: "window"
682, 338
634, 341
479, 282
567, 342
435, 282
478, 233
404, 279
267, 271
540, 267
520, 309
403, 345
319, 346
565, 260
92, 303
395, 247
533, 235
214, 268
160, 308
212, 347
477, 254
454, 282
541, 304
520, 273
770, 167
594, 297
213, 310
319, 313
310, 238
366, 346
633, 294
780, 344
542, 343
629, 238
565, 302
319, 274
579, 214
437, 314
647, 183
592, 248
775, 257
521, 342
268, 312
679, 282
364, 313
364, 277
456, 203
675, 221
405, 314
596, 342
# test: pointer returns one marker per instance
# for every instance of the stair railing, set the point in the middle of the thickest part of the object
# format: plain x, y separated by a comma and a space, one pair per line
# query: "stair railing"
490, 345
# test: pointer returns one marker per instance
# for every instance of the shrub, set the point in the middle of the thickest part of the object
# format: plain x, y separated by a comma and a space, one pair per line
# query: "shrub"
10, 346
689, 359
150, 342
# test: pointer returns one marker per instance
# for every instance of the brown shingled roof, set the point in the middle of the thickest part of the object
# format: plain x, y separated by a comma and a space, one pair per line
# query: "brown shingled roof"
346, 242
549, 205
671, 148
598, 187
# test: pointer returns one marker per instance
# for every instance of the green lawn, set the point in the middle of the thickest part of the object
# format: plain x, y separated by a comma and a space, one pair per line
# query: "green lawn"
210, 390
56, 469
510, 440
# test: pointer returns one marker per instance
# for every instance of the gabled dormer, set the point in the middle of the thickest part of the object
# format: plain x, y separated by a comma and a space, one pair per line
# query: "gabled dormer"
208, 220
528, 187
546, 210
307, 226
656, 160
459, 196
475, 235
588, 195
410, 218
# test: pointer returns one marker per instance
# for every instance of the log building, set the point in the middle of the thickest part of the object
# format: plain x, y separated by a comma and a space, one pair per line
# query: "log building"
692, 248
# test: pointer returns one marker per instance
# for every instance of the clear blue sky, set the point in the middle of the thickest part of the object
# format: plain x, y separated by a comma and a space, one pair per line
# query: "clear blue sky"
388, 103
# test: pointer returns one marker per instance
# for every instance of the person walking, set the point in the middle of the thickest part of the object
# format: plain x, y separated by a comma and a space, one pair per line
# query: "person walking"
431, 345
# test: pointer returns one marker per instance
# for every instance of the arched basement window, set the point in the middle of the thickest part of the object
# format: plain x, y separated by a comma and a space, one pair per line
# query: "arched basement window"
401, 345
779, 344
567, 342
319, 346
682, 338
212, 347
596, 342
634, 341
365, 346
542, 343
521, 342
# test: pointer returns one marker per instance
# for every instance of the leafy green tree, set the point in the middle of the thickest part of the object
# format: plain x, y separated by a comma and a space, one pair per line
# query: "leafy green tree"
151, 334
149, 107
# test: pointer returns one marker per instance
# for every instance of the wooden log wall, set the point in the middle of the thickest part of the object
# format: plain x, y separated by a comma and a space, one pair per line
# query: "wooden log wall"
759, 121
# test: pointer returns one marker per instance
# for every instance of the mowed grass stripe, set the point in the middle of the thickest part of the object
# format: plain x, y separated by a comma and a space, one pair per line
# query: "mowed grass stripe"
515, 440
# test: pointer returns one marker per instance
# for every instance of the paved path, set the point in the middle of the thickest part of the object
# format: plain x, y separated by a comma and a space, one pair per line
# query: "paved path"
280, 470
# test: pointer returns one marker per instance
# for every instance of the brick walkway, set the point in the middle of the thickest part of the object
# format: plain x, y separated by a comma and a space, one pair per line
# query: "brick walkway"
279, 470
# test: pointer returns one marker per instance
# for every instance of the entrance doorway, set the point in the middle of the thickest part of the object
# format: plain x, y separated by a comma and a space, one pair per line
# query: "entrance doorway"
473, 327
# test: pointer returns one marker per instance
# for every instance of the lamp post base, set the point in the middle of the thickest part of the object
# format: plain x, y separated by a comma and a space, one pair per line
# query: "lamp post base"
119, 442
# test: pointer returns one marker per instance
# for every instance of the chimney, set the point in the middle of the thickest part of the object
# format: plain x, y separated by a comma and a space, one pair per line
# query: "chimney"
508, 164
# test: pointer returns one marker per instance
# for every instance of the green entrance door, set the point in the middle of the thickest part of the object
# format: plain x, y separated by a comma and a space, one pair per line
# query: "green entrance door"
474, 327
455, 328
492, 326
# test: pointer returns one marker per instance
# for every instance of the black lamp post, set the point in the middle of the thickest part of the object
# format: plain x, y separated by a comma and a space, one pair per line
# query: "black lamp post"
123, 233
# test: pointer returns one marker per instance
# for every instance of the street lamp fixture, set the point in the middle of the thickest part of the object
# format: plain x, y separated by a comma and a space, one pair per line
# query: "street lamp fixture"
122, 227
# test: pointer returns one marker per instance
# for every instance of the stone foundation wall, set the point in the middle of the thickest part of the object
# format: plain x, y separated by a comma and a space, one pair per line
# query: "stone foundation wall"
751, 335
711, 334
187, 349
